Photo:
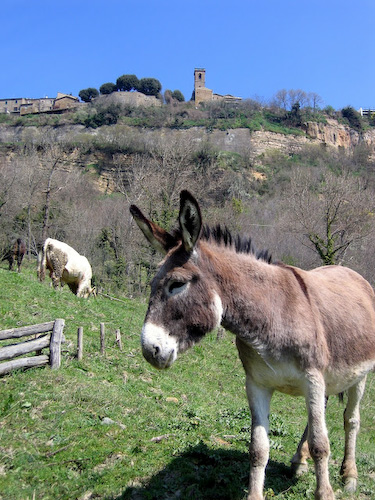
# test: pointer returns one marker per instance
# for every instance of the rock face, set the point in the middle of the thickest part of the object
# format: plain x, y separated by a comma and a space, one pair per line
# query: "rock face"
240, 140
100, 162
332, 133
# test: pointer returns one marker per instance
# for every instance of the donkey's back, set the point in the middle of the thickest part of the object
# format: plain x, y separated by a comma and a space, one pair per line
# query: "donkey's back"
344, 305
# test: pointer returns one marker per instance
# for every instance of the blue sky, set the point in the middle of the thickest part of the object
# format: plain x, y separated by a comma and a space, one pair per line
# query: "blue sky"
250, 48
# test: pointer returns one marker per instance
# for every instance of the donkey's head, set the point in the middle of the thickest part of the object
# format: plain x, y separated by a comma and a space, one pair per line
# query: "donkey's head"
183, 304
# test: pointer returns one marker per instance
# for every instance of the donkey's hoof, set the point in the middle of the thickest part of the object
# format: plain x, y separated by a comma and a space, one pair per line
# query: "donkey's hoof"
350, 484
299, 469
325, 494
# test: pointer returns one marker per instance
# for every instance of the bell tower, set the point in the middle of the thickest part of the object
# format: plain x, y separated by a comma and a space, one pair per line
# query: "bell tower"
202, 94
199, 78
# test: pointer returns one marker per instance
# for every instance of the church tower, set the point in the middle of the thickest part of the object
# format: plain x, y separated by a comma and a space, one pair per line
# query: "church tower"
199, 78
202, 94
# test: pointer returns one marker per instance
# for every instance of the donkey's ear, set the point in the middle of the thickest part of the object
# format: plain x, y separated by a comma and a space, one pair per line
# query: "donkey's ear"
190, 220
160, 239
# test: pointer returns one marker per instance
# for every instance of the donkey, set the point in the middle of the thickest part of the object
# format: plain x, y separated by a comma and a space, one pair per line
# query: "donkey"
304, 333
15, 253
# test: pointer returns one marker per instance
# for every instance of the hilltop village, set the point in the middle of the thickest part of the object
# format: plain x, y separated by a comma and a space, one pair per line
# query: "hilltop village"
65, 102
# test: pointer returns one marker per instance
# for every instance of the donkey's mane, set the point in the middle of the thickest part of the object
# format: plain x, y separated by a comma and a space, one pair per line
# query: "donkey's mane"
241, 244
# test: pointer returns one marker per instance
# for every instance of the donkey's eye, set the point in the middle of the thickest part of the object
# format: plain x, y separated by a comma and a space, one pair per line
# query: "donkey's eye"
175, 287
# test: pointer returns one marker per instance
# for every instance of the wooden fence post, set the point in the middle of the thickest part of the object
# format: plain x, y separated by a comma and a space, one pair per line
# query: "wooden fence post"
80, 343
55, 345
102, 339
118, 339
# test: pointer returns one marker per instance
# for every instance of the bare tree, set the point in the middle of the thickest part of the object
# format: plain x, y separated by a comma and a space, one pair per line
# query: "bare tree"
297, 96
55, 158
8, 177
281, 99
172, 160
328, 212
315, 100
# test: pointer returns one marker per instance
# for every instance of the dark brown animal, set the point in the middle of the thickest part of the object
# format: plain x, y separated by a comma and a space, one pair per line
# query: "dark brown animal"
304, 333
15, 253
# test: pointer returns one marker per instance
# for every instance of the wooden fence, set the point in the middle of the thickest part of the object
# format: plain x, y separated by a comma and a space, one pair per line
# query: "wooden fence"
48, 335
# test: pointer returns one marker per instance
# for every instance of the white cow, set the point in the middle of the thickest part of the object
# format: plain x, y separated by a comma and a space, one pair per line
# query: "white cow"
66, 265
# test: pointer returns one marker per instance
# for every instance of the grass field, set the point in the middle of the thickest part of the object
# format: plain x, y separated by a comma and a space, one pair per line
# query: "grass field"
111, 427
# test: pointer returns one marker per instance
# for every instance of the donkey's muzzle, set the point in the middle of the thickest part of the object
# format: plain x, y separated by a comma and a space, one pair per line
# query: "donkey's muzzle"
158, 347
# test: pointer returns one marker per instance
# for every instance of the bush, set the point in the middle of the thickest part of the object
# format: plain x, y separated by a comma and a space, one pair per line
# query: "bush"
107, 115
353, 117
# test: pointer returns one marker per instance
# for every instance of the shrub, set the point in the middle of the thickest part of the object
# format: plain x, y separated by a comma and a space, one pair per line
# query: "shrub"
353, 117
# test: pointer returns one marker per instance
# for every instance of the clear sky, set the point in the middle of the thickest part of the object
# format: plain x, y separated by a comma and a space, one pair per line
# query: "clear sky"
249, 48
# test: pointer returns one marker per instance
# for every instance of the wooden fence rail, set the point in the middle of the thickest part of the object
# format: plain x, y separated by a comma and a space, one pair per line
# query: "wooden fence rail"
49, 335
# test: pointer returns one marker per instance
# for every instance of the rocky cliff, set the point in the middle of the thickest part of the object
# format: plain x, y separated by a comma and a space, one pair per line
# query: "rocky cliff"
331, 133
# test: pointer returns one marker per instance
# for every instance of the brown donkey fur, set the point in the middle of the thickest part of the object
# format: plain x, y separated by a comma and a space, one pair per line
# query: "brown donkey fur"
304, 333
15, 253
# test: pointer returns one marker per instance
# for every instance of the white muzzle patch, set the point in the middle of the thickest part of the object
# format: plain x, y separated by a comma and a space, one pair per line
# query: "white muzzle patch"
159, 348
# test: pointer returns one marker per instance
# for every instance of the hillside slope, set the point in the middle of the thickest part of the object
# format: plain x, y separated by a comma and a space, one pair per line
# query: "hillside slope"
113, 428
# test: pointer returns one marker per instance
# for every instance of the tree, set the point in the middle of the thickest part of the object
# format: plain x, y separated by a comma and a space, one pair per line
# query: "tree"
281, 99
149, 86
294, 116
86, 95
297, 96
353, 117
328, 213
174, 96
8, 177
315, 100
107, 88
177, 94
127, 83
168, 96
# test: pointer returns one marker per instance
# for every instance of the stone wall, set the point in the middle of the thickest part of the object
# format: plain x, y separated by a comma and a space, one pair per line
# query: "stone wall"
130, 98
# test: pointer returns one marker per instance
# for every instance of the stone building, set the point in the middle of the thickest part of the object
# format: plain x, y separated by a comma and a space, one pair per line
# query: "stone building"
203, 94
24, 106
65, 101
42, 105
13, 105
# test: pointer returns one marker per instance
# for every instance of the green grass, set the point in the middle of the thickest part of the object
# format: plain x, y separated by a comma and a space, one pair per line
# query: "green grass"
55, 442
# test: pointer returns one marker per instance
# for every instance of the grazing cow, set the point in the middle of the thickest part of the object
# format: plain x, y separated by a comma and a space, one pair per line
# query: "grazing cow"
66, 265
304, 333
15, 253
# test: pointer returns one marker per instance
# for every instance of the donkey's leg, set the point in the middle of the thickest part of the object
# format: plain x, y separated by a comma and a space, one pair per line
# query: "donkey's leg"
55, 280
259, 402
299, 459
317, 434
351, 426
19, 262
